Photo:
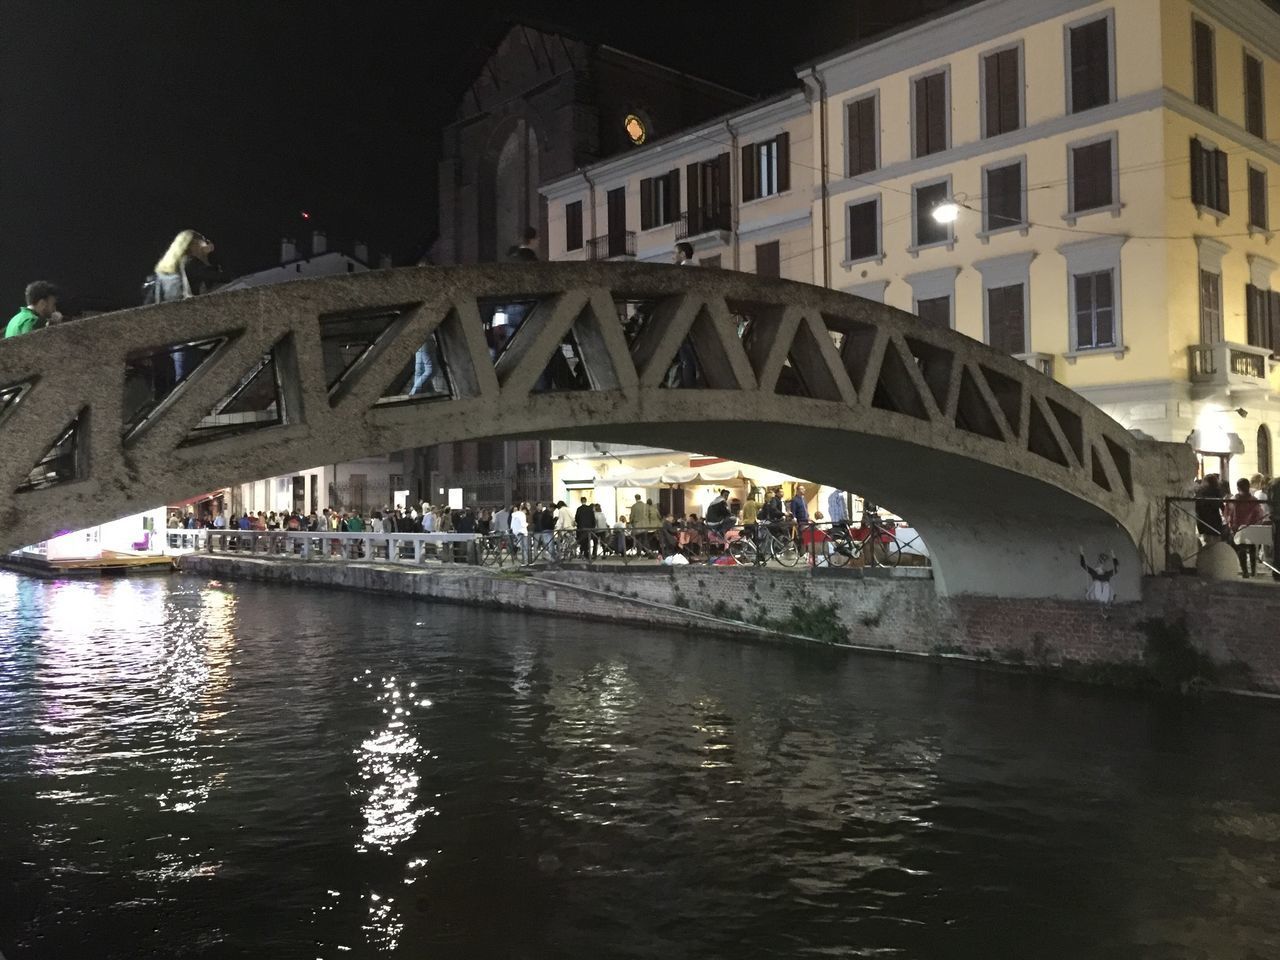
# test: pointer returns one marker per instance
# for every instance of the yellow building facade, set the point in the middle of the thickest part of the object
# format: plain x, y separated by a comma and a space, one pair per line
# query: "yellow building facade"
1112, 168
1063, 131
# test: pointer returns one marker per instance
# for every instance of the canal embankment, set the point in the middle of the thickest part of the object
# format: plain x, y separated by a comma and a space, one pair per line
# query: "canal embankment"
1183, 632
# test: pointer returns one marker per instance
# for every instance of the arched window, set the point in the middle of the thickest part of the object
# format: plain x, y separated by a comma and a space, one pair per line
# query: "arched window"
1264, 451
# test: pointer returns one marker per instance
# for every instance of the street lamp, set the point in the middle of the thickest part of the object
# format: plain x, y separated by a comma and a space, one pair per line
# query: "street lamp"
948, 211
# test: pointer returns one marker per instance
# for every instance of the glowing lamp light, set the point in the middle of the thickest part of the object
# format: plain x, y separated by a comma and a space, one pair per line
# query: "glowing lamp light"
306, 214
946, 212
636, 129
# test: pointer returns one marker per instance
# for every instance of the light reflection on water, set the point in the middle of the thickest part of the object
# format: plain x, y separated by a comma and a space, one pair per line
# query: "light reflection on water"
194, 771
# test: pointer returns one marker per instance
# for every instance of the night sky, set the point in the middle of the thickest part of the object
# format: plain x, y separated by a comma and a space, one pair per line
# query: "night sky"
124, 121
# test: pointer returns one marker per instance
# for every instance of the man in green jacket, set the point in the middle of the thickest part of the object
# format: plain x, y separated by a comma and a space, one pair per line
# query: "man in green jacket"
42, 304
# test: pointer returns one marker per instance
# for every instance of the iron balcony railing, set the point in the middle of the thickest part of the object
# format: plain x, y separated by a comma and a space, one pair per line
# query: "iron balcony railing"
696, 222
612, 246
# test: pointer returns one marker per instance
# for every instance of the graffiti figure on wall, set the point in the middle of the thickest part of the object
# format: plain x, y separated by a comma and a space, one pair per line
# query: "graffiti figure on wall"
1100, 577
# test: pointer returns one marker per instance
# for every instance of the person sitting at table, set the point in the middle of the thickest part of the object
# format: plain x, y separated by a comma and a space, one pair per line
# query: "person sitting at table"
669, 537
1243, 510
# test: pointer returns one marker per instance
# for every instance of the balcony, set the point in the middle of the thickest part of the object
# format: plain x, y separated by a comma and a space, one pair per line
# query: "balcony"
712, 225
1234, 368
613, 246
1037, 361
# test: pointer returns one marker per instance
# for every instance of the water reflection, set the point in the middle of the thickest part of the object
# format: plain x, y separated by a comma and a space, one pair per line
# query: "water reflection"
270, 772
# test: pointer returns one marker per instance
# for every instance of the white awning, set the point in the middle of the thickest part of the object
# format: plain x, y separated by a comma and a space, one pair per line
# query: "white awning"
670, 474
1215, 442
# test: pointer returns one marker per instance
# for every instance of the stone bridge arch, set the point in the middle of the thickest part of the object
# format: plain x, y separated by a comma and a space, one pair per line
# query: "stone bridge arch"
1002, 470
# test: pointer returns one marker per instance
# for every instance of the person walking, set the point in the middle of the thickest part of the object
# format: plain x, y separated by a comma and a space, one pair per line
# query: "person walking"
584, 518
185, 270
1209, 495
684, 255
1241, 511
41, 310
838, 508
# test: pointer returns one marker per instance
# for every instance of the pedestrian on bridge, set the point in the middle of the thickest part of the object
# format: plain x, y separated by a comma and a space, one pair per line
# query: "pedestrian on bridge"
184, 271
41, 310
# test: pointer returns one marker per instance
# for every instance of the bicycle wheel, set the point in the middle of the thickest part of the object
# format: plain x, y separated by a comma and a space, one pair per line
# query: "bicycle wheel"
744, 551
784, 551
842, 552
886, 554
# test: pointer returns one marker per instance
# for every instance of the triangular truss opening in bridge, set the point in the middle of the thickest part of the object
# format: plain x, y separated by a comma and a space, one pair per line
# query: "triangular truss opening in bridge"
152, 376
502, 320
807, 369
936, 366
702, 360
973, 414
425, 377
1040, 438
1008, 396
257, 401
895, 390
581, 360
855, 342
11, 396
1099, 470
63, 461
349, 341
634, 316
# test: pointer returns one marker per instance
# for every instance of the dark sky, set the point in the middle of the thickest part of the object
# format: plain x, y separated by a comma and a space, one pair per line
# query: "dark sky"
124, 121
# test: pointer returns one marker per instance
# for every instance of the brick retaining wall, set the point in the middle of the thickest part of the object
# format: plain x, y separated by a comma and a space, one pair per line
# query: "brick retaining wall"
1235, 623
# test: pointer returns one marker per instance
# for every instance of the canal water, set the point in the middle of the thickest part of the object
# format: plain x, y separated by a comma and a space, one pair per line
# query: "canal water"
196, 769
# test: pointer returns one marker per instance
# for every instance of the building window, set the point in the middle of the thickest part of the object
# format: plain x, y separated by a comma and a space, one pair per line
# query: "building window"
1255, 117
1258, 198
766, 168
1095, 305
864, 230
1264, 453
1210, 307
1095, 309
1004, 206
1092, 176
1090, 65
862, 135
1262, 324
1202, 57
708, 201
769, 259
930, 96
660, 200
1002, 92
935, 310
929, 231
573, 225
1006, 318
1210, 183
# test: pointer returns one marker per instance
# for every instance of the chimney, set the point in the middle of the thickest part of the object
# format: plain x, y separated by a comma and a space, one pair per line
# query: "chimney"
317, 242
362, 252
385, 263
288, 250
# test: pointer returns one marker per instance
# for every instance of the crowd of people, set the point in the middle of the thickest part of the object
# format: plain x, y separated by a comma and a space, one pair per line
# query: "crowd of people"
1221, 516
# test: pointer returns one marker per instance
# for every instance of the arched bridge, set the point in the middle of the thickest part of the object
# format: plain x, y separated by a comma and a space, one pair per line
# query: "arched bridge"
1002, 470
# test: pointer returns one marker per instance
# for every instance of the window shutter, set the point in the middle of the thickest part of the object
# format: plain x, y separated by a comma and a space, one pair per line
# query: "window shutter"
1224, 188
646, 204
784, 162
750, 173
673, 196
922, 117
938, 112
693, 192
1197, 172
1273, 320
1202, 53
1255, 311
722, 197
991, 71
1254, 119
1010, 94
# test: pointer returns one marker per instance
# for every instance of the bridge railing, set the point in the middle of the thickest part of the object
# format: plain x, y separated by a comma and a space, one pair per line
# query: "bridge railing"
411, 548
